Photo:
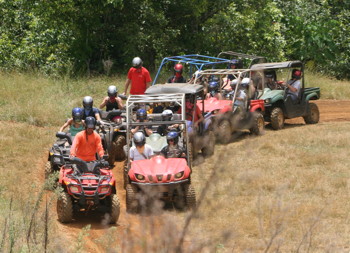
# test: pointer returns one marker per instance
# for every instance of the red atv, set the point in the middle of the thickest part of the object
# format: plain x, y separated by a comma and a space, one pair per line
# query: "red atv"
87, 187
223, 110
167, 179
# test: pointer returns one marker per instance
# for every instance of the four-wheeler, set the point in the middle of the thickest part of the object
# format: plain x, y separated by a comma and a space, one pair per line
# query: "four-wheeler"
226, 116
112, 129
279, 106
167, 179
202, 138
191, 63
58, 153
87, 187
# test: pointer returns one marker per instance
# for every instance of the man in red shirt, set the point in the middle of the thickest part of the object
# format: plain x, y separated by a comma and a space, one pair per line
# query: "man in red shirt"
87, 143
138, 77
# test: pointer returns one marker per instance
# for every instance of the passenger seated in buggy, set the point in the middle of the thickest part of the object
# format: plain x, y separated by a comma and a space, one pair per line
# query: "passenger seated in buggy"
141, 116
214, 89
167, 115
173, 149
141, 150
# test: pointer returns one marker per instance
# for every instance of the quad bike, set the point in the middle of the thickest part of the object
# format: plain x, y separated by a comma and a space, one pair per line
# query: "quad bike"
159, 178
87, 187
58, 153
112, 130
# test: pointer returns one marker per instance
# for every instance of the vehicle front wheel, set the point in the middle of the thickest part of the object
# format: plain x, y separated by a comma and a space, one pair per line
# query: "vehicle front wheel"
209, 148
48, 169
258, 124
313, 114
277, 118
115, 209
131, 199
224, 131
64, 208
190, 196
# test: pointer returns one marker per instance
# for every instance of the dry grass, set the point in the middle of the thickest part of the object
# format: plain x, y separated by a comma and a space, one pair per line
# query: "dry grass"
285, 191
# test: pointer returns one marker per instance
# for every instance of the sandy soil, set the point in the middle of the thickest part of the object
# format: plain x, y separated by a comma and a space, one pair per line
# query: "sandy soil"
330, 111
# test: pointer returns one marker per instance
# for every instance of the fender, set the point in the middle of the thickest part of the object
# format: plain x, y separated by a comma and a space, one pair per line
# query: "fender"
257, 105
311, 96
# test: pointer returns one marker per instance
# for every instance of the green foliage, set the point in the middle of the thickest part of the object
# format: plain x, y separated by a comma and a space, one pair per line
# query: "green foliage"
68, 37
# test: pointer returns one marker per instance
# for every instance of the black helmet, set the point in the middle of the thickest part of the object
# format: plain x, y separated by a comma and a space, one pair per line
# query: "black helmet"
137, 62
88, 102
77, 114
167, 115
173, 135
141, 114
112, 91
90, 122
139, 139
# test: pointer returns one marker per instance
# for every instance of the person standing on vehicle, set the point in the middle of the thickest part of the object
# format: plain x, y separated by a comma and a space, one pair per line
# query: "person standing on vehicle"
89, 110
173, 149
112, 101
141, 150
87, 143
293, 85
177, 77
138, 77
76, 123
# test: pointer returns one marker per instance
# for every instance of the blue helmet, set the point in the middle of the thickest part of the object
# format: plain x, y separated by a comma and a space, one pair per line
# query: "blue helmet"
173, 135
141, 114
77, 114
213, 86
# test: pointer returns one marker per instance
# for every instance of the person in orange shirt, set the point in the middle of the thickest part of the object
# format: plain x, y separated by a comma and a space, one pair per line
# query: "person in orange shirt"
87, 143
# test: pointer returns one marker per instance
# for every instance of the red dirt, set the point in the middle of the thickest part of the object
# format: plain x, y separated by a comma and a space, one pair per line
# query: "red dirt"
330, 111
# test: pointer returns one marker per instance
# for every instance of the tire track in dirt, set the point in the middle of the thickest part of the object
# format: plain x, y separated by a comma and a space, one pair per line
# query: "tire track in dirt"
330, 111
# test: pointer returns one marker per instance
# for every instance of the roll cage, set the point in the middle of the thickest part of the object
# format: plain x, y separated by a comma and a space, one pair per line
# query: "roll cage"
195, 62
137, 100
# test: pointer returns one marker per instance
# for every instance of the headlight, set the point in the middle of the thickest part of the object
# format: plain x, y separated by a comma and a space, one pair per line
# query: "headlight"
140, 177
104, 189
75, 189
179, 175
267, 101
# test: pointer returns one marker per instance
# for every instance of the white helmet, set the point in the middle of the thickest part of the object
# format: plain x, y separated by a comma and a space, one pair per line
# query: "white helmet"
136, 62
167, 115
88, 102
112, 91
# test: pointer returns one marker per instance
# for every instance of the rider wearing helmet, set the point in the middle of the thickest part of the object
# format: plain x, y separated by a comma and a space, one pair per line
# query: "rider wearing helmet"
177, 77
87, 143
173, 149
112, 101
141, 150
167, 115
293, 85
214, 90
138, 77
89, 110
141, 116
76, 123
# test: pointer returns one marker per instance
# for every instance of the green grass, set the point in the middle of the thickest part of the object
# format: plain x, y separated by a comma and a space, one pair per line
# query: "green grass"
42, 101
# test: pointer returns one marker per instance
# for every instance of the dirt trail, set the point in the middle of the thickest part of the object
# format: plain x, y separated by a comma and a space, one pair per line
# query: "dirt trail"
330, 111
